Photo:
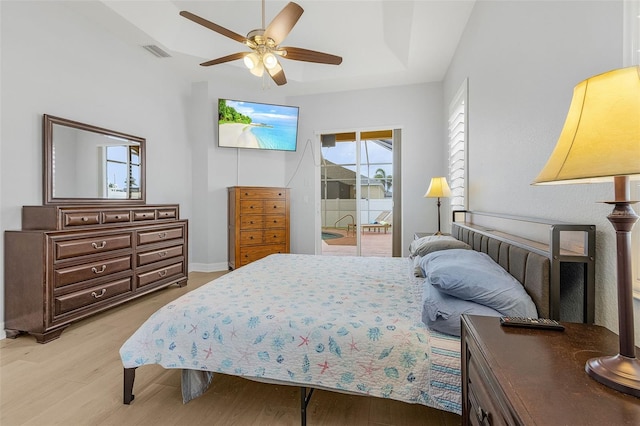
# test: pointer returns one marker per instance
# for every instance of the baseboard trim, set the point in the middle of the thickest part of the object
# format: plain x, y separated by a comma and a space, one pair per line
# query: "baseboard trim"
208, 267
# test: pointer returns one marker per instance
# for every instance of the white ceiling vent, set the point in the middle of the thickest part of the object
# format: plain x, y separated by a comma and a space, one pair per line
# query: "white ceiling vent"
156, 51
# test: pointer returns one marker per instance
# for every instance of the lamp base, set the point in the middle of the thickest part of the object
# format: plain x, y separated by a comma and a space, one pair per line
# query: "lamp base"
617, 372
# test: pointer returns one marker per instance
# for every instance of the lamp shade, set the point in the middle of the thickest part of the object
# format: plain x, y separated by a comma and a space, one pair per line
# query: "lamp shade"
438, 188
601, 134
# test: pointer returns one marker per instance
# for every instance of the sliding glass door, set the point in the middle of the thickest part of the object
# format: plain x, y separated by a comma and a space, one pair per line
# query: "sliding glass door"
357, 193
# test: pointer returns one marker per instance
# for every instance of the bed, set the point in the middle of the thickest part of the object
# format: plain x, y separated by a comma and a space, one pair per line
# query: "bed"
345, 324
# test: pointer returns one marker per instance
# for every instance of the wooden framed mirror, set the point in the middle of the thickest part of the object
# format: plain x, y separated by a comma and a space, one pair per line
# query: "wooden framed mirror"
85, 164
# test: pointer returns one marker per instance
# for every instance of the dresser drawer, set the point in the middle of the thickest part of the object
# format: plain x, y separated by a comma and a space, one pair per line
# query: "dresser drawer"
275, 236
275, 221
248, 238
81, 218
262, 193
65, 249
87, 271
167, 214
160, 235
275, 206
483, 408
251, 254
116, 217
251, 221
158, 274
142, 215
80, 299
158, 255
251, 207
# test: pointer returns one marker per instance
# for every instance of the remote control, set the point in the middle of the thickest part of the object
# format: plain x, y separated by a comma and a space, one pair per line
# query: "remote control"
544, 323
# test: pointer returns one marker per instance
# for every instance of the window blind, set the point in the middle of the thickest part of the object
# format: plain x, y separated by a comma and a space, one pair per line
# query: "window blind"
458, 149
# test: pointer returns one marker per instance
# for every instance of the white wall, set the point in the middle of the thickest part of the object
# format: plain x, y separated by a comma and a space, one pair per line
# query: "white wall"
215, 169
523, 60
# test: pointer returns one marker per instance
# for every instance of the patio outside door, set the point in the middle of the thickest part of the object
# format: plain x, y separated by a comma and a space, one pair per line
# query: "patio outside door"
357, 193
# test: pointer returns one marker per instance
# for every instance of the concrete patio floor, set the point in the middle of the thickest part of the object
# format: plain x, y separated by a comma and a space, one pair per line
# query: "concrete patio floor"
373, 243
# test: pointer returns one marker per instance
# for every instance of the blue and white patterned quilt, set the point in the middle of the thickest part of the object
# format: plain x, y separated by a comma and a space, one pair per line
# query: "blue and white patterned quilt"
346, 323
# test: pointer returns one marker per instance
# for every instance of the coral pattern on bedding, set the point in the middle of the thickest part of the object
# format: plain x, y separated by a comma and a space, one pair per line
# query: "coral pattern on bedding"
346, 323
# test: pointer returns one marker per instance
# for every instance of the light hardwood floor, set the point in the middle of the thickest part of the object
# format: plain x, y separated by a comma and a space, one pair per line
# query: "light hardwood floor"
77, 380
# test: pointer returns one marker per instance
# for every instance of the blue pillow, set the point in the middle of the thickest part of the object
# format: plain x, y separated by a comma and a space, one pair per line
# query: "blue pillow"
442, 312
474, 276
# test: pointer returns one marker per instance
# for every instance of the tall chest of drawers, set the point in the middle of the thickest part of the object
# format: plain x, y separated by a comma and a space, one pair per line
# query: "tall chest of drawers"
69, 262
258, 223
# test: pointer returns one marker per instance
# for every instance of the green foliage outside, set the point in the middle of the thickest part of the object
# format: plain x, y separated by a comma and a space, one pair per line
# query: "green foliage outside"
387, 180
227, 114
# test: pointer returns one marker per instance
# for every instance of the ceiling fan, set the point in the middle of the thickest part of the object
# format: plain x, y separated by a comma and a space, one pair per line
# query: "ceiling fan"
265, 44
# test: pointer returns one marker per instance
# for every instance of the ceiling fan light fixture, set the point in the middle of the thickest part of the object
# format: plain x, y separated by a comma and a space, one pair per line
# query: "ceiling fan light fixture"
269, 60
252, 61
258, 70
265, 44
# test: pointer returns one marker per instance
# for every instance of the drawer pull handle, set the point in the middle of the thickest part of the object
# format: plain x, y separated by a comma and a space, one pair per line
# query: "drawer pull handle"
162, 253
162, 234
250, 207
95, 270
117, 217
275, 207
275, 221
251, 222
162, 273
98, 296
101, 246
85, 219
251, 237
482, 415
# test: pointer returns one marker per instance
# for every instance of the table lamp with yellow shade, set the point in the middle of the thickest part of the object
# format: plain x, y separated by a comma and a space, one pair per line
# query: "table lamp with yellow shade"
438, 188
600, 142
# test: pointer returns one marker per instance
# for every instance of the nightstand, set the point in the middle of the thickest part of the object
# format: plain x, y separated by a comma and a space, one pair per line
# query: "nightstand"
520, 376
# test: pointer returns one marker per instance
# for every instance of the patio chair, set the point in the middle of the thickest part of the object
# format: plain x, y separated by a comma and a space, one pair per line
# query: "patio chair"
383, 221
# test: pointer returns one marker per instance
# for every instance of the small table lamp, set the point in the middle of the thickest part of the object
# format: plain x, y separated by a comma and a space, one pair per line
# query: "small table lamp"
438, 188
600, 142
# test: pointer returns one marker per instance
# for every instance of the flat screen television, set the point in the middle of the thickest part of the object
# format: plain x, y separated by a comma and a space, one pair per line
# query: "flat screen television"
255, 125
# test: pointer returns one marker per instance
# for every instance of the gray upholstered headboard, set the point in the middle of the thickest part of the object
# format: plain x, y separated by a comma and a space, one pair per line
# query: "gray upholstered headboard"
555, 261
531, 269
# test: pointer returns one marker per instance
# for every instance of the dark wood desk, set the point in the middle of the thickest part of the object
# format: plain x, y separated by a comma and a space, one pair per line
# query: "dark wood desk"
537, 377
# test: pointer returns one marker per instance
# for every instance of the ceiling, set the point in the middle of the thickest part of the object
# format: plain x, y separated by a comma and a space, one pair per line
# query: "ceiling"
382, 43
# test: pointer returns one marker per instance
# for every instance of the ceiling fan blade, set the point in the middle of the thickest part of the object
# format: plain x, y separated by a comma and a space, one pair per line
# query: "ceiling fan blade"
277, 74
224, 59
284, 21
298, 54
215, 27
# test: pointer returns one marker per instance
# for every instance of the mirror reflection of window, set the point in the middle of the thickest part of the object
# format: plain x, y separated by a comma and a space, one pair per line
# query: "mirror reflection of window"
122, 171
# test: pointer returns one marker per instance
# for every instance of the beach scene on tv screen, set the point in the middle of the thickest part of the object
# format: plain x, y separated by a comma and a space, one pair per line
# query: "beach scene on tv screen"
255, 125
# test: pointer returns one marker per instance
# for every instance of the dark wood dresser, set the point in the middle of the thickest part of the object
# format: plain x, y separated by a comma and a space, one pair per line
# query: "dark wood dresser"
518, 376
258, 223
69, 262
